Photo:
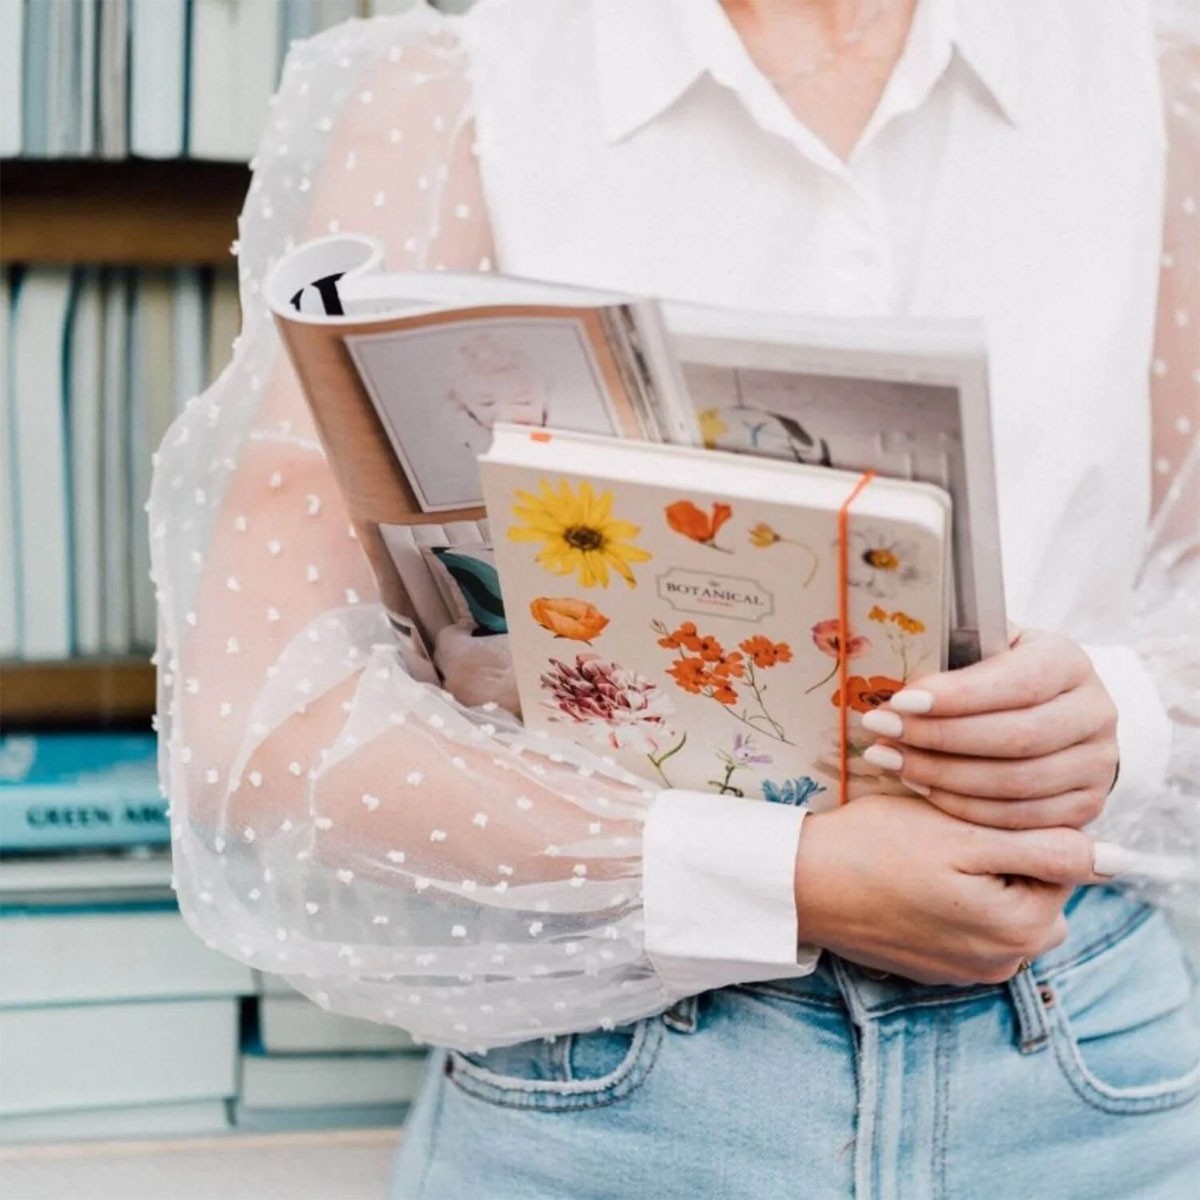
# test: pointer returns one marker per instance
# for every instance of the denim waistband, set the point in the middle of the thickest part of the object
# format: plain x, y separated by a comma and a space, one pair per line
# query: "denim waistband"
1096, 917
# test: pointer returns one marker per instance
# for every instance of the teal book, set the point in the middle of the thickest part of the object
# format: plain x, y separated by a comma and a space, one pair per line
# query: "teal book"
65, 791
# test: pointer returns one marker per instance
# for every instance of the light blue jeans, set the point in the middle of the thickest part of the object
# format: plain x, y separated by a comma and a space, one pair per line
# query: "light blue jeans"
1078, 1079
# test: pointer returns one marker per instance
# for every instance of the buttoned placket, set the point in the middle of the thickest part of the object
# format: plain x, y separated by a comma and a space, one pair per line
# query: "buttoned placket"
853, 241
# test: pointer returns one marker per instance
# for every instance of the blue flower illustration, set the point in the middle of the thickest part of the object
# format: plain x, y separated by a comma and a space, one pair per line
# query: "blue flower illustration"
791, 791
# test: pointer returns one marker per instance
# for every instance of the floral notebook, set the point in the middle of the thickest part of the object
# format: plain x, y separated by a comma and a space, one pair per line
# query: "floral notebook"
679, 606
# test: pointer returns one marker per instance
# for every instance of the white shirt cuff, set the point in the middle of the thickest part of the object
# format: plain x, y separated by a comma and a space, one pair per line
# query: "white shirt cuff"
719, 896
1143, 726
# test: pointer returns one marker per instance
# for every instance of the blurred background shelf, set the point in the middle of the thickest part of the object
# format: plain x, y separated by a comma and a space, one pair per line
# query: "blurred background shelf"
125, 130
110, 691
138, 213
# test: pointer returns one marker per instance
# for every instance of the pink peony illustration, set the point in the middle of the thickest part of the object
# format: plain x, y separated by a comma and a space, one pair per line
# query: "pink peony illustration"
618, 706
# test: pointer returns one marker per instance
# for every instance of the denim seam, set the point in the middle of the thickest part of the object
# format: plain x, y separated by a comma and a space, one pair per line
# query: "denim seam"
565, 1095
946, 1033
964, 996
1146, 1098
765, 989
435, 1129
869, 1052
1102, 943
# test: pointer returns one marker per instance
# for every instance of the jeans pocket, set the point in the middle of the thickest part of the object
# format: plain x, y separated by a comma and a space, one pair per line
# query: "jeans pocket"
564, 1074
1124, 1022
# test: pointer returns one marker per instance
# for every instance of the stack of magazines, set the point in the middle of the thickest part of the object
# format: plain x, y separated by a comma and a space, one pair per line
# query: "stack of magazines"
622, 499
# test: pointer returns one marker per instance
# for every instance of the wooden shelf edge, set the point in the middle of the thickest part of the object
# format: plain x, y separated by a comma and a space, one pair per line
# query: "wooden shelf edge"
129, 212
105, 692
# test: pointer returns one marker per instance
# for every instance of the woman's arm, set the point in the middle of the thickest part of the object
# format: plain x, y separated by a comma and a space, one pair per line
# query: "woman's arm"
1031, 738
333, 819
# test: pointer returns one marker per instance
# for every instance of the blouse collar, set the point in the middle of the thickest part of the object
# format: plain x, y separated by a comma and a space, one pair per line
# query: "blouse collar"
650, 52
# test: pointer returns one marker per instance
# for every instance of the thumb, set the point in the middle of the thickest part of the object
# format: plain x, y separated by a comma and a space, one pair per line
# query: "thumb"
1065, 856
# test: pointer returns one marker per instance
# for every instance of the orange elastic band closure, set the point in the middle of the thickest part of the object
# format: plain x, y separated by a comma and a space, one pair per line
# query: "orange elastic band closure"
843, 548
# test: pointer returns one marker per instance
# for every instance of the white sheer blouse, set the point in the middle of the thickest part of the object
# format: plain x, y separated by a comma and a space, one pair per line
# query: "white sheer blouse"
403, 858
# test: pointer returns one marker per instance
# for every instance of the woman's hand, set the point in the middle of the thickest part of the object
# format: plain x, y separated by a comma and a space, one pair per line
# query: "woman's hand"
1023, 740
890, 882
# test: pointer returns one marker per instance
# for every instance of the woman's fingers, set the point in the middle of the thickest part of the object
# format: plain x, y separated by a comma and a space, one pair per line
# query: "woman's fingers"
1084, 767
1060, 856
1072, 809
1065, 720
1035, 670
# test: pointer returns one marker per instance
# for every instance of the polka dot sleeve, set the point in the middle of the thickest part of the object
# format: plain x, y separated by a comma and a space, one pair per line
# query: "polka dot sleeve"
1160, 635
335, 820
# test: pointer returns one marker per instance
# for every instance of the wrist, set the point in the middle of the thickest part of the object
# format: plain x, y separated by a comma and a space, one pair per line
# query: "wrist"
811, 880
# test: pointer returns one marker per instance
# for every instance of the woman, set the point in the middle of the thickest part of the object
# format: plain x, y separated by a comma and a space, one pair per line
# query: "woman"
898, 998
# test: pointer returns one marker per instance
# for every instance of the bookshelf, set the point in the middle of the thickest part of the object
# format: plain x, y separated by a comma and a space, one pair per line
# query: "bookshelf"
89, 930
126, 213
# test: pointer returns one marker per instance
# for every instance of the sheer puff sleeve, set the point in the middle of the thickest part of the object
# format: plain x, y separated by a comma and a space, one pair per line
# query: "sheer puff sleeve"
1158, 649
397, 856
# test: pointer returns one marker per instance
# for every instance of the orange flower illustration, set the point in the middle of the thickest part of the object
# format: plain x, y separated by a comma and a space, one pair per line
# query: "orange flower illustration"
904, 629
705, 668
863, 693
827, 637
690, 673
765, 652
684, 637
566, 617
686, 518
762, 536
765, 536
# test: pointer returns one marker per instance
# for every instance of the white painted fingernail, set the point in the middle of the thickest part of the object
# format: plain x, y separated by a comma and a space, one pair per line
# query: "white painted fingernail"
1110, 859
884, 756
912, 700
913, 786
886, 723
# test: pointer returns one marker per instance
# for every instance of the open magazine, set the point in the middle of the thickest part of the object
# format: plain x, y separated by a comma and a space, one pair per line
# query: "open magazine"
407, 373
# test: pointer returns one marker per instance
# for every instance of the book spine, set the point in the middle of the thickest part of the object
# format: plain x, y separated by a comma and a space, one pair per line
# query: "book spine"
73, 817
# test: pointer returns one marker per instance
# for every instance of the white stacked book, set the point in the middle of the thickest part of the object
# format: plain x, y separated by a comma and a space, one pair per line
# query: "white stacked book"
114, 1018
308, 1068
97, 362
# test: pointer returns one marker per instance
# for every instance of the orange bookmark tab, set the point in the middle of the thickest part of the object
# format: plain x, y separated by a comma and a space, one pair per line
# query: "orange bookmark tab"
843, 580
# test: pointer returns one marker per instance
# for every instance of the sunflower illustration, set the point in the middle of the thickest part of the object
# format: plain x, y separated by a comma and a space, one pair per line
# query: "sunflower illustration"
578, 532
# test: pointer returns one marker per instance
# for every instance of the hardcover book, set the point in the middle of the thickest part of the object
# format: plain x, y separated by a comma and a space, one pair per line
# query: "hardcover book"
680, 607
61, 791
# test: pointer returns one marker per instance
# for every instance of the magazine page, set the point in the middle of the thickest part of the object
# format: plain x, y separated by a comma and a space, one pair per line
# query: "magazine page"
405, 387
905, 398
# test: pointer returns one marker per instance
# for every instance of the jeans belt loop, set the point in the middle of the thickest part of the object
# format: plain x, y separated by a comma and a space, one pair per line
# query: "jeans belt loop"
1033, 1031
683, 1016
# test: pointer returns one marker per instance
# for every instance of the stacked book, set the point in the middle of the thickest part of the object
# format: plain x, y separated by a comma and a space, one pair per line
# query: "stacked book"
97, 362
114, 1019
150, 78
305, 1068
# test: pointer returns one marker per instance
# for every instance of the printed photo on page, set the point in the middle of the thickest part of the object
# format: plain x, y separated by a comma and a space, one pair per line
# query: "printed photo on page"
438, 391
